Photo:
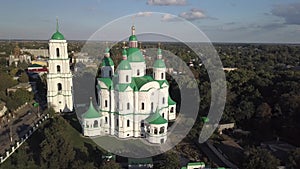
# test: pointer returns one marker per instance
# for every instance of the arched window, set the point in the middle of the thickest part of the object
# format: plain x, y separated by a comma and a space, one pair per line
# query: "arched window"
95, 123
117, 122
127, 78
138, 72
110, 73
163, 100
163, 115
162, 75
128, 106
143, 105
59, 87
162, 130
142, 123
154, 74
172, 109
57, 52
58, 69
128, 123
106, 120
155, 130
152, 106
105, 104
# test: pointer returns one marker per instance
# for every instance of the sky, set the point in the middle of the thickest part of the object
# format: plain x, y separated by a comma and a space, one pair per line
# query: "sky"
254, 21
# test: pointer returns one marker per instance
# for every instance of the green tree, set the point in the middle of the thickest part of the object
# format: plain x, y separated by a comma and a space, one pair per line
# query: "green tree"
171, 160
260, 158
294, 159
56, 150
23, 78
110, 165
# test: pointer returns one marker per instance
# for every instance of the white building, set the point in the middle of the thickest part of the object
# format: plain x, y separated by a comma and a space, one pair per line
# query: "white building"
59, 78
131, 103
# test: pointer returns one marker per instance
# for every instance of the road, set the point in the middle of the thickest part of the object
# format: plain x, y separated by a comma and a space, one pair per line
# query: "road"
20, 125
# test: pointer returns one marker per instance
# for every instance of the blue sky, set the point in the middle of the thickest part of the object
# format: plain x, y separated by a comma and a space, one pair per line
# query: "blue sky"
275, 21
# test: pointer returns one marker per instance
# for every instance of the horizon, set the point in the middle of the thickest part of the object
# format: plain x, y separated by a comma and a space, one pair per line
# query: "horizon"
222, 22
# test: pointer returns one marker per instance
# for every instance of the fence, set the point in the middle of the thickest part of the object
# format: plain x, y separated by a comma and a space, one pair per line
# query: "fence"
19, 142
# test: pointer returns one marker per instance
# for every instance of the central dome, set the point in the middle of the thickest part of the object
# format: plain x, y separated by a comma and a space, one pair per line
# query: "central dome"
135, 55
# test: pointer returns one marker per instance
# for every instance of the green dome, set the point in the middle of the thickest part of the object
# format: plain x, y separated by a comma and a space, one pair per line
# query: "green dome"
107, 50
135, 55
124, 52
124, 65
57, 36
91, 112
159, 63
107, 61
132, 38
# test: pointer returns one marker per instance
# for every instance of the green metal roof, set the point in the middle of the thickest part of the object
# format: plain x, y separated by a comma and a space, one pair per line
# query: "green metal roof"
122, 87
35, 65
159, 63
156, 118
135, 55
91, 112
107, 61
124, 65
107, 81
140, 81
57, 36
132, 38
161, 82
196, 163
170, 101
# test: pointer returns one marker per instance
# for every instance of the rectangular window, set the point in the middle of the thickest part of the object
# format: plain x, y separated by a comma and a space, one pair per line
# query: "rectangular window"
117, 122
106, 120
128, 123
106, 105
143, 106
151, 106
163, 100
128, 106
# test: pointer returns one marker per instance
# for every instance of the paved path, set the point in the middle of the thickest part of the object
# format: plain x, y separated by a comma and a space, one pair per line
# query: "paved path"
20, 125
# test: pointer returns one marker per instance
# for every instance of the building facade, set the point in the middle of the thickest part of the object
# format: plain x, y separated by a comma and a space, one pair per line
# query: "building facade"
59, 77
131, 104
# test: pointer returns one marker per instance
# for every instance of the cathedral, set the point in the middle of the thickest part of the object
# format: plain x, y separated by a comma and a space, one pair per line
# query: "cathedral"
131, 104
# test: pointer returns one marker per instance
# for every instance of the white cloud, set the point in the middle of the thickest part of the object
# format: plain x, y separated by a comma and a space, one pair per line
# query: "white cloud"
193, 14
169, 18
289, 12
142, 14
166, 2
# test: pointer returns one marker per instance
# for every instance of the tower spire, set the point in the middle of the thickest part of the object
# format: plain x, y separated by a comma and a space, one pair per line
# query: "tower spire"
56, 24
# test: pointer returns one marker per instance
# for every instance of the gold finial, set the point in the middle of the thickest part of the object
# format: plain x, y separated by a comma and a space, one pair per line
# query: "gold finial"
140, 45
132, 30
91, 98
124, 44
158, 44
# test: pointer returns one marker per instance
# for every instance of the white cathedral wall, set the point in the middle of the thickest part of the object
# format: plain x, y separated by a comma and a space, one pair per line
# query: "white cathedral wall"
122, 76
138, 67
157, 73
105, 100
62, 45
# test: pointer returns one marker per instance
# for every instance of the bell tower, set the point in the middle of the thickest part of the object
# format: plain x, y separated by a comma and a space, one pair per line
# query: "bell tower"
59, 77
